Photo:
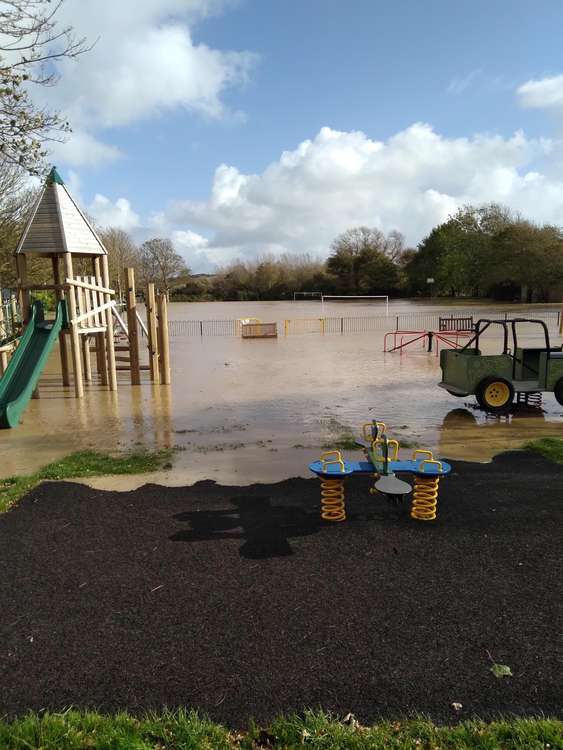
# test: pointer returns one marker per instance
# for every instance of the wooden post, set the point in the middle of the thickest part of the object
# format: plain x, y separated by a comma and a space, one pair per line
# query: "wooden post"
23, 294
101, 357
3, 331
112, 373
3, 360
86, 297
132, 328
153, 335
86, 357
74, 337
13, 309
63, 349
163, 342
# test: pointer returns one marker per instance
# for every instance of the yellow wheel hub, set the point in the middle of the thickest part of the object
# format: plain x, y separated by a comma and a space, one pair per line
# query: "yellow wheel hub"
497, 394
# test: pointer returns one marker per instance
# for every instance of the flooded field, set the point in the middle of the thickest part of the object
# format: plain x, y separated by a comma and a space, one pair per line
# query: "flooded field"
260, 410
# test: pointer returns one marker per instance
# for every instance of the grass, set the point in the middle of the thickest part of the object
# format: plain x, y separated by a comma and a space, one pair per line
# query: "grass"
549, 447
74, 730
344, 442
83, 464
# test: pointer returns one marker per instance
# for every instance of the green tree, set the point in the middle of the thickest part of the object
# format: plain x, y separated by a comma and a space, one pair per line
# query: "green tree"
529, 257
16, 201
458, 254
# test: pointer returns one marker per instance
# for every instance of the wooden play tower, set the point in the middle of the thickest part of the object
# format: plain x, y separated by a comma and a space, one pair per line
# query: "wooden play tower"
58, 230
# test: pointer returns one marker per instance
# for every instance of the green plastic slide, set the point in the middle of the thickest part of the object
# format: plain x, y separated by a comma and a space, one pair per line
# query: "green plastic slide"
27, 363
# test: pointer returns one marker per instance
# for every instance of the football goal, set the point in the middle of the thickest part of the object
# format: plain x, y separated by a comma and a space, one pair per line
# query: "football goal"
352, 297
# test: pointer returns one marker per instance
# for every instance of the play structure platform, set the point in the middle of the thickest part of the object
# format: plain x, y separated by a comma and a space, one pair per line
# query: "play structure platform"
87, 313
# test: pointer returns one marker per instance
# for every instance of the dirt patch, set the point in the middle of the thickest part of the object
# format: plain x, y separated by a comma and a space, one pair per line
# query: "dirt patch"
240, 602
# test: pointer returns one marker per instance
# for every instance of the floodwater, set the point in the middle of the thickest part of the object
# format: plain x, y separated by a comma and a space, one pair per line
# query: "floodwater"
240, 411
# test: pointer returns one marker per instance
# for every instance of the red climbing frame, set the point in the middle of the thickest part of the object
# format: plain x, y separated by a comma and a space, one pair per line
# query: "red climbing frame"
451, 339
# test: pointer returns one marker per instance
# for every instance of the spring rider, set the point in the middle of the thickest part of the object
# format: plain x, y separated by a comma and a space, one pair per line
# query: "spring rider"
382, 462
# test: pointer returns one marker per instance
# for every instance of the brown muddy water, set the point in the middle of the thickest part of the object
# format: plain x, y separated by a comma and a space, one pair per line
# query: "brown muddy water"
241, 411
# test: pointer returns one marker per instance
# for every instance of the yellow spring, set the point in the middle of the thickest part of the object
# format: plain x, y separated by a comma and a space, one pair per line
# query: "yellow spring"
425, 498
333, 507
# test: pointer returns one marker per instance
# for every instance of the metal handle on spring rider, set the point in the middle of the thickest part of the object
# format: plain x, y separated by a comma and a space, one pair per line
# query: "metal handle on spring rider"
429, 461
338, 460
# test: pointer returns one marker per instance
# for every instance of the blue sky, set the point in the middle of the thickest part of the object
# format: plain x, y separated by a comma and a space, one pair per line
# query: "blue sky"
184, 109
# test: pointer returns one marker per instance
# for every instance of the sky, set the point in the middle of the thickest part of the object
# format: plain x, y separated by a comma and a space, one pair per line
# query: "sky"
245, 128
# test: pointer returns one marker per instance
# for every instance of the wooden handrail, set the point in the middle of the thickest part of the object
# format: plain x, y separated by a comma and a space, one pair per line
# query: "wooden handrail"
86, 285
91, 313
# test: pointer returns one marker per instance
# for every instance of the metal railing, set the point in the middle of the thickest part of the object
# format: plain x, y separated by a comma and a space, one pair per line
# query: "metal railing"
202, 327
414, 321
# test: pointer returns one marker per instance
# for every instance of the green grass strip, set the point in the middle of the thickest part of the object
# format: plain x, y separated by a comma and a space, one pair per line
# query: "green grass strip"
82, 464
549, 447
186, 730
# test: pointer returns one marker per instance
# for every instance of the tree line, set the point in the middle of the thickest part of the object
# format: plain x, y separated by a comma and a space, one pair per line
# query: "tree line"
480, 251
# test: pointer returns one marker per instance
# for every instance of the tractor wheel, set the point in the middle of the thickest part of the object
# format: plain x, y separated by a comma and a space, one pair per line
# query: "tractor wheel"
458, 395
558, 391
495, 395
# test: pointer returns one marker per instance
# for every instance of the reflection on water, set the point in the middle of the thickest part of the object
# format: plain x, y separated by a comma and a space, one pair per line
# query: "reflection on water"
252, 410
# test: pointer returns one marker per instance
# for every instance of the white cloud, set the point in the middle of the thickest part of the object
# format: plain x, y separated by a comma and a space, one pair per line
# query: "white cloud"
191, 246
113, 214
338, 180
545, 93
84, 150
144, 63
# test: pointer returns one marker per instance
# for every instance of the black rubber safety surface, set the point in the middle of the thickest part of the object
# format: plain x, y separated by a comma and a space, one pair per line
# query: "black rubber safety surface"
240, 602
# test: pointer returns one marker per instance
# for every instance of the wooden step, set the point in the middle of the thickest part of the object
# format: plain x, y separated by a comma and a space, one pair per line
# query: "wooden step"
141, 367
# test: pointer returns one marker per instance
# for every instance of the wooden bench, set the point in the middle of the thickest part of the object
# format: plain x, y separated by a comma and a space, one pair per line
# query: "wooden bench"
456, 324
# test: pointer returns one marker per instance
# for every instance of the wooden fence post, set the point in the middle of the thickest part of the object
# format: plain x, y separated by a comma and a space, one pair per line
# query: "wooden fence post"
153, 335
163, 342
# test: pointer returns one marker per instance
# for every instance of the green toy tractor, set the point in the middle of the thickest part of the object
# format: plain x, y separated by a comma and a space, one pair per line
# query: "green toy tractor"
496, 378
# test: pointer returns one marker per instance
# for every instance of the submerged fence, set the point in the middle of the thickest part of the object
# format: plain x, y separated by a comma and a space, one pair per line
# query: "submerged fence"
347, 325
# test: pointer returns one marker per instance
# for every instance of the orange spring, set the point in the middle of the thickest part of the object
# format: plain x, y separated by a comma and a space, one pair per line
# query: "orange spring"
425, 498
333, 507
